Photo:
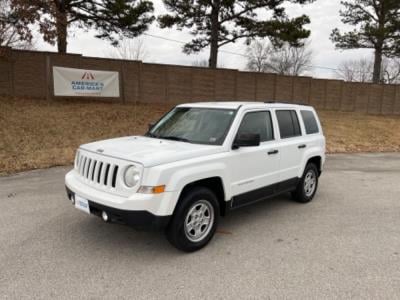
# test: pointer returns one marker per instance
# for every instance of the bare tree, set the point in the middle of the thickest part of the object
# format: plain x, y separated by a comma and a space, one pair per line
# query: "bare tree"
284, 60
390, 73
356, 70
203, 63
13, 32
130, 49
361, 70
258, 55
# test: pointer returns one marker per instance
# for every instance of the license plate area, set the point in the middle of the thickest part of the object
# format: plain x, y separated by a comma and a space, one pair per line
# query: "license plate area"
82, 204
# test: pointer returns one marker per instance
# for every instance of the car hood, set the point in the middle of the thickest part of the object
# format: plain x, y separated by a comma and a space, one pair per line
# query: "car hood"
150, 151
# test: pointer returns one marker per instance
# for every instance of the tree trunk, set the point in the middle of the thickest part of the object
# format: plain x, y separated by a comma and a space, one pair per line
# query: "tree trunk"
382, 14
62, 26
213, 60
377, 65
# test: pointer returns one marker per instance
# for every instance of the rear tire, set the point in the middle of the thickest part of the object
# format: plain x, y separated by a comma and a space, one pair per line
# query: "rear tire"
195, 220
308, 184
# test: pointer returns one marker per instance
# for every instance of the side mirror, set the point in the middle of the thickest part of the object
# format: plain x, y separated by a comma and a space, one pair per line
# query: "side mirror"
246, 140
151, 125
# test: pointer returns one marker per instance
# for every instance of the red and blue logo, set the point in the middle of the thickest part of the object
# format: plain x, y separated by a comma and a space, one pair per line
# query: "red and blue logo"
87, 83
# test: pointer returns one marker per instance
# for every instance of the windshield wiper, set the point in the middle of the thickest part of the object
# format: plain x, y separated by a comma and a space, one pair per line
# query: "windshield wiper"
149, 134
174, 138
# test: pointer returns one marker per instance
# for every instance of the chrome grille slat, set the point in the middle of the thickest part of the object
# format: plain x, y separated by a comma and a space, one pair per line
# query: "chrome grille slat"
114, 176
106, 174
83, 166
103, 174
91, 166
79, 163
77, 159
86, 175
93, 171
97, 171
110, 175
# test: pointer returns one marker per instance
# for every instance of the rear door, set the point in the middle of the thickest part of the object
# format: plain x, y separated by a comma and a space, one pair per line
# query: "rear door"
291, 143
312, 129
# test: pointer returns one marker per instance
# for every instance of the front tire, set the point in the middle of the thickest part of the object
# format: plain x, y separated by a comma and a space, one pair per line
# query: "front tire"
195, 220
308, 184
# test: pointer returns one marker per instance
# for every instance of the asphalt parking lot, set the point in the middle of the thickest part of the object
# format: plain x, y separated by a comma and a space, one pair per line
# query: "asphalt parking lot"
345, 244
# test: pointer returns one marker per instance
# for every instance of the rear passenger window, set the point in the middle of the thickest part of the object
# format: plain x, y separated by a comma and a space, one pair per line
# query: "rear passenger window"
310, 123
257, 123
288, 123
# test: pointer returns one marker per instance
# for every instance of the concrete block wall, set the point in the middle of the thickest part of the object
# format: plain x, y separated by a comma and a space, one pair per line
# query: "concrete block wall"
29, 73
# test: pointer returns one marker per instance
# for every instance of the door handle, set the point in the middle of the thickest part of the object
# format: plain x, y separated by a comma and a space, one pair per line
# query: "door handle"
272, 152
302, 146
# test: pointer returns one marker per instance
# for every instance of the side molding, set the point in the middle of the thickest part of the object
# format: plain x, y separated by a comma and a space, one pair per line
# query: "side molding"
264, 193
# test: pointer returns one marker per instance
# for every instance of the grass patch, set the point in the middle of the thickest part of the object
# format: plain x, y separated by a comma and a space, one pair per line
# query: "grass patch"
39, 134
348, 132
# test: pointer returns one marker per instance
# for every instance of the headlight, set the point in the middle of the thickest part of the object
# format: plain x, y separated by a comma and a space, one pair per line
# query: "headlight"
131, 176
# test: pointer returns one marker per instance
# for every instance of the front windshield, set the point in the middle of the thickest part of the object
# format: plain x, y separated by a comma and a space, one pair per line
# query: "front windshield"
194, 125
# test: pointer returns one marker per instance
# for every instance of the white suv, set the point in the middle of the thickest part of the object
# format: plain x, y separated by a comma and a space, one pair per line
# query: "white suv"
198, 162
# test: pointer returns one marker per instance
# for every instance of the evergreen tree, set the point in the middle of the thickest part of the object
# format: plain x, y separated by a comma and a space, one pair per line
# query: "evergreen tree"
110, 18
215, 23
377, 26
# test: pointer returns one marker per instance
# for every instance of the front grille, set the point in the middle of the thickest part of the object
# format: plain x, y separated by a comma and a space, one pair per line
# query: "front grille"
97, 171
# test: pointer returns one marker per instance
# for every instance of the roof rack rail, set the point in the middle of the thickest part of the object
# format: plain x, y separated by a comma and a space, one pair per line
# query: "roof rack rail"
285, 102
279, 102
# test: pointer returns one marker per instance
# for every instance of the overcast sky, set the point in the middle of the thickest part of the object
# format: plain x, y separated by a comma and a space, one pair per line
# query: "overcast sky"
324, 15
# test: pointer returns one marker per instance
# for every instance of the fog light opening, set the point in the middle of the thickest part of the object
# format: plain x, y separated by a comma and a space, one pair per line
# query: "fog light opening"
104, 216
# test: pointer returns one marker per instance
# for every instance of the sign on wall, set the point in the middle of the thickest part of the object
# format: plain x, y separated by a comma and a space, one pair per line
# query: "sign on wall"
86, 83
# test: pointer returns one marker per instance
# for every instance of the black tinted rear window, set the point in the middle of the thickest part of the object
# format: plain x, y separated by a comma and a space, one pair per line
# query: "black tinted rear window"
310, 123
288, 123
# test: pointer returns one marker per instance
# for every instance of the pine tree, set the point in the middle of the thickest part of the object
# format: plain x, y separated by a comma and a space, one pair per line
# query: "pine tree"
377, 26
215, 23
110, 18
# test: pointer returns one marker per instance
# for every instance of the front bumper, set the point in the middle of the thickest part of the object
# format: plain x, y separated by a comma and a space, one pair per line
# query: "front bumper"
140, 210
135, 218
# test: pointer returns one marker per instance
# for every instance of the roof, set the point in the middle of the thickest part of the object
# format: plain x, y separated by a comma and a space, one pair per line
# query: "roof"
237, 104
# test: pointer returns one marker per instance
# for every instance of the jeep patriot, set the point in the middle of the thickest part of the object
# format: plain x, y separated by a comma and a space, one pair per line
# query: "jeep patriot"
198, 162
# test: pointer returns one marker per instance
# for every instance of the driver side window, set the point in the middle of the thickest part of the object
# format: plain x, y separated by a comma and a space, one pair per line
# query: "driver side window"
258, 122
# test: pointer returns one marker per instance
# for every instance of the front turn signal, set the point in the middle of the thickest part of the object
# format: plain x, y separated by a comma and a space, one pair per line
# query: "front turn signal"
159, 189
152, 189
